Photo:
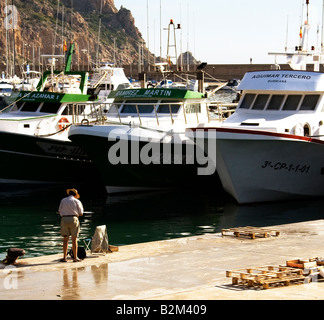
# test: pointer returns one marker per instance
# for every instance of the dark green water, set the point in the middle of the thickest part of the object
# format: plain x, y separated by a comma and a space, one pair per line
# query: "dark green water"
28, 218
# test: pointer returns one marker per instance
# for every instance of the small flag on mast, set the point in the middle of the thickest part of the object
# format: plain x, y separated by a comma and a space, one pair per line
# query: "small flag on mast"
64, 46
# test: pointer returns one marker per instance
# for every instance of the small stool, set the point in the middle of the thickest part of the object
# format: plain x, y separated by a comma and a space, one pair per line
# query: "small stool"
87, 243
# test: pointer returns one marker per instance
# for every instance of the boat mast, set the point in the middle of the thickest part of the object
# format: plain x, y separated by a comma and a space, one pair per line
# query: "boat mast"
7, 52
161, 30
14, 43
99, 29
322, 34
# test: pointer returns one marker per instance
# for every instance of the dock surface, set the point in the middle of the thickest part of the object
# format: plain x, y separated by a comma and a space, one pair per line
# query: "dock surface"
192, 268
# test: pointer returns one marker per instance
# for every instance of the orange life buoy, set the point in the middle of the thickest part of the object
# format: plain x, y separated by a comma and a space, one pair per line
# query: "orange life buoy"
63, 123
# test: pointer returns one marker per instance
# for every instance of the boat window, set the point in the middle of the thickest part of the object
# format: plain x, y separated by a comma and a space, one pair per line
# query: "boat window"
309, 102
193, 108
292, 102
78, 109
68, 110
275, 102
260, 101
164, 107
247, 101
5, 90
142, 106
17, 105
30, 106
50, 107
122, 86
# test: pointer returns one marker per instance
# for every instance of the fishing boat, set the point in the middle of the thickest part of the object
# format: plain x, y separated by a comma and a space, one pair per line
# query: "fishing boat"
272, 147
107, 78
141, 143
34, 144
5, 90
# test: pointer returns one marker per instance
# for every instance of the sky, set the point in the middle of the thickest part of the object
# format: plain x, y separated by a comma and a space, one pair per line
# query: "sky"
226, 32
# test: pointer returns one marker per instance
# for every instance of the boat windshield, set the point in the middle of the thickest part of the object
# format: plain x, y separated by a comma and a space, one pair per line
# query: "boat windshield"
123, 86
50, 107
165, 106
5, 90
143, 106
290, 102
30, 106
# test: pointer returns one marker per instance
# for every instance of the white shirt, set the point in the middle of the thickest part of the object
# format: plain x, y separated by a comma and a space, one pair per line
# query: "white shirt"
70, 206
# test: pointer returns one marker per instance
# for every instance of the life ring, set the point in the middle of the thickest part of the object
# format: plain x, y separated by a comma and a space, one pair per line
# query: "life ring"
63, 123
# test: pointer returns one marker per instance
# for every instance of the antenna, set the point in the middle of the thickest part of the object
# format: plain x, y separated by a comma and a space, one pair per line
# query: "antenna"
174, 45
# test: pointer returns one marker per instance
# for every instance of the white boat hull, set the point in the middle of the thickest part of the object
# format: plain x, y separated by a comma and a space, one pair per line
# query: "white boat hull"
266, 166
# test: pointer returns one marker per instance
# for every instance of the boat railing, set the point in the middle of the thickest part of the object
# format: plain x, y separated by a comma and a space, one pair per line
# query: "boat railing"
103, 113
220, 111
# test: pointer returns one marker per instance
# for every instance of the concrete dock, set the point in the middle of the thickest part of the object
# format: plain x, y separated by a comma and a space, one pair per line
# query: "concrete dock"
192, 268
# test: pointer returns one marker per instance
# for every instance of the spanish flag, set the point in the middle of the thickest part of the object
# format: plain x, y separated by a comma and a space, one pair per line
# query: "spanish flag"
64, 46
301, 33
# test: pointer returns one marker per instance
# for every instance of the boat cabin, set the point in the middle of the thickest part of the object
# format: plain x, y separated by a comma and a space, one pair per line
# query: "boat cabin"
60, 100
281, 101
159, 103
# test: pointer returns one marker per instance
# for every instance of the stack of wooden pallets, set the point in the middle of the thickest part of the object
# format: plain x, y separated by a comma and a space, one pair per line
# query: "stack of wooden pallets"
251, 232
266, 276
294, 272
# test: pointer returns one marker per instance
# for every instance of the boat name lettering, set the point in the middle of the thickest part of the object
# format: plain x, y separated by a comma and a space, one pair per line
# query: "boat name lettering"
40, 96
147, 93
284, 75
44, 96
289, 167
166, 93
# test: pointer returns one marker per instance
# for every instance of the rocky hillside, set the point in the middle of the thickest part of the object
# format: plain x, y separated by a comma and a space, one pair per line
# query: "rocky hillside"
43, 25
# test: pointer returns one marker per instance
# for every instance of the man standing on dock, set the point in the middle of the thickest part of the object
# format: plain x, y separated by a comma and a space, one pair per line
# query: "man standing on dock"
70, 209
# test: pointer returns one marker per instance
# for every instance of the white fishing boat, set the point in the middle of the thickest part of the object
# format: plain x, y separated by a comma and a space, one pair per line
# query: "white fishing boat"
272, 147
5, 91
141, 143
34, 144
107, 78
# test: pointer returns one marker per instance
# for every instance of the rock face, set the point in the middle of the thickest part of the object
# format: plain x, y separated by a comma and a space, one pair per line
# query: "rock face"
42, 26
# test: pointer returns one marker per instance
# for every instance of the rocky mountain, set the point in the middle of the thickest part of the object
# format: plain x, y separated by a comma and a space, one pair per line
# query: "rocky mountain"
38, 27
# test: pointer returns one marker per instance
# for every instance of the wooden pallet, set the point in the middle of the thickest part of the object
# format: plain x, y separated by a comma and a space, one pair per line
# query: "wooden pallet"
266, 276
251, 232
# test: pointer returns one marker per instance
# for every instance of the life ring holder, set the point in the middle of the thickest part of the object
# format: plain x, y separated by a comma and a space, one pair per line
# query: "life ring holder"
63, 123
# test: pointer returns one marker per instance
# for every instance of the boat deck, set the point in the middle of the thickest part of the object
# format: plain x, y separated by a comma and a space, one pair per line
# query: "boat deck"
192, 268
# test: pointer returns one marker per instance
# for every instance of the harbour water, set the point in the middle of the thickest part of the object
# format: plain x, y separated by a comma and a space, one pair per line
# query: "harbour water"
28, 217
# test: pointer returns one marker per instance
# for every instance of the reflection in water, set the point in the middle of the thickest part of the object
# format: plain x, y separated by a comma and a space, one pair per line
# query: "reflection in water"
70, 287
76, 283
100, 273
28, 218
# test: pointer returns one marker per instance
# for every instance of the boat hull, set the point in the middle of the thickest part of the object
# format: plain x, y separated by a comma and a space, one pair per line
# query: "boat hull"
265, 166
33, 160
162, 169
